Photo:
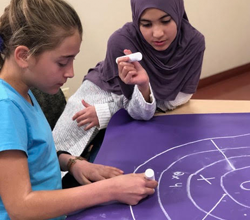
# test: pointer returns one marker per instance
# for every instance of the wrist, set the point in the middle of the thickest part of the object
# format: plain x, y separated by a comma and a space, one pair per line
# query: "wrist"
143, 86
145, 91
72, 162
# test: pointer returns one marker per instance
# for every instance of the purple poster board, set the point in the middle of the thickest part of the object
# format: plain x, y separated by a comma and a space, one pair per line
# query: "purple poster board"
201, 162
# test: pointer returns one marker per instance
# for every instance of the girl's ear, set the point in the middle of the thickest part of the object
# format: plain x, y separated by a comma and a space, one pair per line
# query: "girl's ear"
21, 55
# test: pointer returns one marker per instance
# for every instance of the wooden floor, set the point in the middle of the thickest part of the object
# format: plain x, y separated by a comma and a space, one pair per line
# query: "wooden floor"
234, 88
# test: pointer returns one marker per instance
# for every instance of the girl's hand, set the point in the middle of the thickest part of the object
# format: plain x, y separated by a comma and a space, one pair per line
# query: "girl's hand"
87, 116
131, 188
132, 73
86, 172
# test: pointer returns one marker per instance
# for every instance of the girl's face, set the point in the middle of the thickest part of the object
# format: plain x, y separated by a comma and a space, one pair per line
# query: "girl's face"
157, 28
50, 70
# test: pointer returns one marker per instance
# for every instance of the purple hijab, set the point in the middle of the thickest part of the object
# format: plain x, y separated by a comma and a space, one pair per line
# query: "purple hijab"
177, 69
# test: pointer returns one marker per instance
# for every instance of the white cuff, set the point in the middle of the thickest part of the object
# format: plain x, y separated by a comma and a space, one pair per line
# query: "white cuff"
139, 108
103, 114
137, 94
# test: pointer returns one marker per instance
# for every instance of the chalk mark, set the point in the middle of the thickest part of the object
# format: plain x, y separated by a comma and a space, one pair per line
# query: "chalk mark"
206, 179
230, 164
214, 206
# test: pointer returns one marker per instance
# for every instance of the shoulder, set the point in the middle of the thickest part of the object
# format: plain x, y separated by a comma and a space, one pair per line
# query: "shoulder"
193, 38
11, 111
123, 38
8, 97
122, 35
198, 37
12, 120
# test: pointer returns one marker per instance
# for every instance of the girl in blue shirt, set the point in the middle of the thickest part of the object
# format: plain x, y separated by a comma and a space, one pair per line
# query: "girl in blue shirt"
39, 40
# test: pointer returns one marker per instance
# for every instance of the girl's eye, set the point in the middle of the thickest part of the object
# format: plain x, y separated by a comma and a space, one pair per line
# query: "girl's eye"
62, 64
65, 62
146, 25
166, 21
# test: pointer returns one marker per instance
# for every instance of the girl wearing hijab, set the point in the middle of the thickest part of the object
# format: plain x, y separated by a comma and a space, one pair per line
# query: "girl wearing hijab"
165, 78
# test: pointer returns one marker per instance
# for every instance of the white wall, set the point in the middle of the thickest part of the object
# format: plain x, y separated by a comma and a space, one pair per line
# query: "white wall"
100, 18
225, 24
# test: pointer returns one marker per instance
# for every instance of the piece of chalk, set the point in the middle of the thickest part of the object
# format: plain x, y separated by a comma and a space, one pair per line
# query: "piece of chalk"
150, 174
132, 57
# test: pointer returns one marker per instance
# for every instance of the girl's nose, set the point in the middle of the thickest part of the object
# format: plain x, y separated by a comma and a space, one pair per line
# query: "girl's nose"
158, 32
70, 72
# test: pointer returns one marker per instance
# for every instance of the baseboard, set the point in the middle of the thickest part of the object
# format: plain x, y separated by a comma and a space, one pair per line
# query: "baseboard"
223, 75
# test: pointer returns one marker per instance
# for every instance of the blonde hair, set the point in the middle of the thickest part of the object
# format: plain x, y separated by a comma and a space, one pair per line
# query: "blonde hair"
38, 24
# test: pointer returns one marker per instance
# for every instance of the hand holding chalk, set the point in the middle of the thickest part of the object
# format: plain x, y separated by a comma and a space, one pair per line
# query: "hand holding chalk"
150, 174
132, 57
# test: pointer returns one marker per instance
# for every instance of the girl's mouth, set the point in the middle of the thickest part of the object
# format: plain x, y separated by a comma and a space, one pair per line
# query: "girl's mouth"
159, 43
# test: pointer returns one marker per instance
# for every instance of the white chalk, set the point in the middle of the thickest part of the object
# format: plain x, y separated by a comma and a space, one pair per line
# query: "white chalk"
132, 57
150, 174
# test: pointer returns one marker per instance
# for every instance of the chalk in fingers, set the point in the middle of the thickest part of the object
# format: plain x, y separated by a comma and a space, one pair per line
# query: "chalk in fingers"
150, 174
132, 57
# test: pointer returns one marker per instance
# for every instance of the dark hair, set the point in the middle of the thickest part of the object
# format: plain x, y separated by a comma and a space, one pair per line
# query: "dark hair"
38, 24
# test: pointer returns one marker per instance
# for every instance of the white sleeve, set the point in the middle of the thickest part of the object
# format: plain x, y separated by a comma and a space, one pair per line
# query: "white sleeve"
105, 111
180, 99
103, 114
138, 108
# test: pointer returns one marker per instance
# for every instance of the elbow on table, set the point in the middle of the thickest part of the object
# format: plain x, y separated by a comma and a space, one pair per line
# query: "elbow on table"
143, 117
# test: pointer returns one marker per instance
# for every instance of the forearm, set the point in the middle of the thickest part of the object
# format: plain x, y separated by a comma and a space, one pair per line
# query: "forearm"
22, 202
61, 202
145, 90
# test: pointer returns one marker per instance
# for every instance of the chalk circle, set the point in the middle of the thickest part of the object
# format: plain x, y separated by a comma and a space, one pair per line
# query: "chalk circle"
245, 185
236, 184
237, 191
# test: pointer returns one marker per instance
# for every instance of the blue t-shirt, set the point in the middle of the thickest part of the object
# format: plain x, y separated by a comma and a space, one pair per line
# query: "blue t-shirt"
25, 128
